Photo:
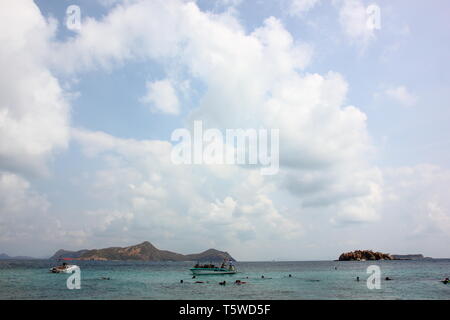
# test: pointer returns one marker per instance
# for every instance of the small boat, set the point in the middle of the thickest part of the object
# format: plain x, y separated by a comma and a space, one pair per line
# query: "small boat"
210, 269
64, 268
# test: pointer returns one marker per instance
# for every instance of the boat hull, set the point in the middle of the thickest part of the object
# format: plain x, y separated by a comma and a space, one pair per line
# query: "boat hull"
68, 269
211, 271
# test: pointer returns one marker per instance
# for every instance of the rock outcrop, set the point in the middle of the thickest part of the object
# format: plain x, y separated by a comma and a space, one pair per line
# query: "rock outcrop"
363, 255
144, 251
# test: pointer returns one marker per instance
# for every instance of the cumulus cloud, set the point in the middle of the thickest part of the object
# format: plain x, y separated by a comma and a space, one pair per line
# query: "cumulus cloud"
251, 80
402, 96
34, 113
169, 201
162, 96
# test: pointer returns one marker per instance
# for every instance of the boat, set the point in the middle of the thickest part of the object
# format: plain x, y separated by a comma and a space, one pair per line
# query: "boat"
64, 268
210, 269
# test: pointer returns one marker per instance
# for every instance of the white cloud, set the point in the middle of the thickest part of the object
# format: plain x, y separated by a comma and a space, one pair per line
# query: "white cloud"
353, 20
16, 196
418, 207
299, 7
34, 114
174, 202
21, 209
162, 97
251, 80
402, 95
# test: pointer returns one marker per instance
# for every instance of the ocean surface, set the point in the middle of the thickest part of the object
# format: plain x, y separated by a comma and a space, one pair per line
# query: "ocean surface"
161, 280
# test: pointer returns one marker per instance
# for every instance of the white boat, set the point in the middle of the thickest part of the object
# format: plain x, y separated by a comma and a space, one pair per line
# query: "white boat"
211, 269
64, 268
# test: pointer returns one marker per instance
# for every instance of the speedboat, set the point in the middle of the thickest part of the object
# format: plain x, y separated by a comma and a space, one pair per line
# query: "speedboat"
210, 269
64, 268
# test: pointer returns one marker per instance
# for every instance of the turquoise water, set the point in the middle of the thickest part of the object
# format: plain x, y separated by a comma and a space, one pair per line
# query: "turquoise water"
150, 280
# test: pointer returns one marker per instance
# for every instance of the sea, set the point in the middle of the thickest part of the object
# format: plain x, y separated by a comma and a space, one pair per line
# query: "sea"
336, 280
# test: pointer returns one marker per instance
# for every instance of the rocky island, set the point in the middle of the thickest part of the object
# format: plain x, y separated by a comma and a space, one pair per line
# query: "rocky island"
144, 251
363, 255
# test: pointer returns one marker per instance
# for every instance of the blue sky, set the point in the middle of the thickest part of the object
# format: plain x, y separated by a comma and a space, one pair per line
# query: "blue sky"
362, 116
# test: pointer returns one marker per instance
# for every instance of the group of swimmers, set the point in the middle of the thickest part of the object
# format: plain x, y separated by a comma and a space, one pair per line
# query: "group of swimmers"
387, 279
222, 283
445, 281
238, 282
208, 266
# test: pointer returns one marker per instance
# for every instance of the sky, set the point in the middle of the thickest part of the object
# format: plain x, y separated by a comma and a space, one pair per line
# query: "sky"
87, 114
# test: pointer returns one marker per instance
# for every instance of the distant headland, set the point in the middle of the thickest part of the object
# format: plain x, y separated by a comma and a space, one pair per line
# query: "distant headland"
144, 251
366, 255
4, 256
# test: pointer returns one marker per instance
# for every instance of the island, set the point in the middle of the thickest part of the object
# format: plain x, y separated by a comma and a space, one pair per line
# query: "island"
144, 251
4, 256
364, 255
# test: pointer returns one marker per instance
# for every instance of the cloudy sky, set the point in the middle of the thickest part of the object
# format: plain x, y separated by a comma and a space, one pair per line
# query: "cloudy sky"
86, 118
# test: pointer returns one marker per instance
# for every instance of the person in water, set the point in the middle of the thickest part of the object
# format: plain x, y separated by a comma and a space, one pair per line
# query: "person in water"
387, 279
357, 278
445, 281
